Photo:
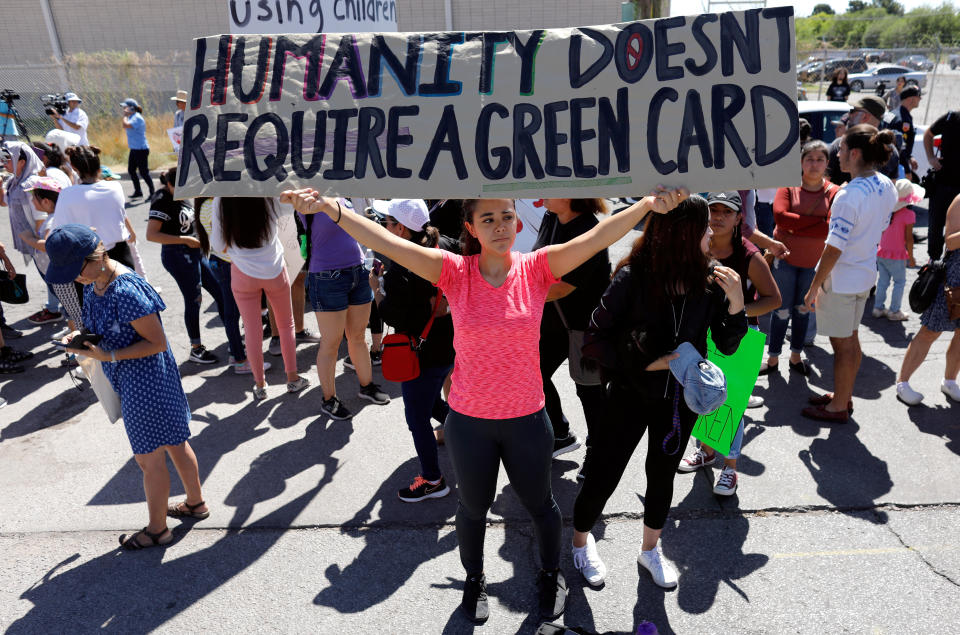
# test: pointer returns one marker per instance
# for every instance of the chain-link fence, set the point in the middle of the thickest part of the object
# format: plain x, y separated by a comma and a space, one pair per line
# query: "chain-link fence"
875, 71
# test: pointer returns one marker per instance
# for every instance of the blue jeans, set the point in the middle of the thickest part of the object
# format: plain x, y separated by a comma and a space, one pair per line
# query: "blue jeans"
421, 400
793, 282
337, 289
765, 222
190, 270
231, 312
895, 270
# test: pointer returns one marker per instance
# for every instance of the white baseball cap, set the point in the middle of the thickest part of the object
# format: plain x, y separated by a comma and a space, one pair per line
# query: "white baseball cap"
410, 212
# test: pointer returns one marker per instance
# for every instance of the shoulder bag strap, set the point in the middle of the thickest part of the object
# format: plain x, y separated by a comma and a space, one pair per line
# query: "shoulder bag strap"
426, 329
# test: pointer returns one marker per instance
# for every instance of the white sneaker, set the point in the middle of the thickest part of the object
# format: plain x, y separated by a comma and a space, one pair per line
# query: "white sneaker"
755, 401
898, 316
950, 389
726, 484
61, 333
588, 562
259, 393
662, 571
696, 460
878, 313
244, 367
908, 395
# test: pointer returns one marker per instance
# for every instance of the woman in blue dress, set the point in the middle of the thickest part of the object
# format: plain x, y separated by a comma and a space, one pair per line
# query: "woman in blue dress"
124, 310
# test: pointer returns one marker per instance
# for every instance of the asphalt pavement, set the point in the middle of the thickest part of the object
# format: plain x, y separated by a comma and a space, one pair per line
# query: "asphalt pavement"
835, 528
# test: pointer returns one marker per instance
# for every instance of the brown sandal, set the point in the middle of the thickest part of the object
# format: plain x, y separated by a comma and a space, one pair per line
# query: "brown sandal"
176, 510
133, 543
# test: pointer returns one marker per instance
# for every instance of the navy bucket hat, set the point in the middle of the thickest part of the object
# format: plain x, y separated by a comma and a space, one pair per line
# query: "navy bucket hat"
68, 248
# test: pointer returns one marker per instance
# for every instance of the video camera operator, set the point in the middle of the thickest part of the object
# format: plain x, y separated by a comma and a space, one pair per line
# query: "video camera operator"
74, 120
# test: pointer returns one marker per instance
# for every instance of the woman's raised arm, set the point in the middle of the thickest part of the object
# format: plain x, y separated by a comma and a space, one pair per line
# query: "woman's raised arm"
422, 261
567, 256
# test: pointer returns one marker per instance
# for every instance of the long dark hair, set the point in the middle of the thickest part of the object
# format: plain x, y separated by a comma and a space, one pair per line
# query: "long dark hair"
588, 205
429, 236
51, 153
667, 259
202, 235
246, 221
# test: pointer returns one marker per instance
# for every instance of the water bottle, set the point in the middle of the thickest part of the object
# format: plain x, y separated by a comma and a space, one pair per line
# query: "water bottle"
647, 628
368, 260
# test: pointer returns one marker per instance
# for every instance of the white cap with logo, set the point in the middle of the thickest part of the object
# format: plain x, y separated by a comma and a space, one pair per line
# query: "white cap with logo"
410, 212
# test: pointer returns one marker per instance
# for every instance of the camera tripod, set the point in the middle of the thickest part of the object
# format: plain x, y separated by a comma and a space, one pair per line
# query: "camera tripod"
10, 121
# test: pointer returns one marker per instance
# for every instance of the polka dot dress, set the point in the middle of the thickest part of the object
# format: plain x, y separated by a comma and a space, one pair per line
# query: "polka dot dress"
937, 315
154, 406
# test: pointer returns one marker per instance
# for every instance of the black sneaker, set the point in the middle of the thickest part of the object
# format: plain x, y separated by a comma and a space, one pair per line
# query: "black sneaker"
566, 444
274, 347
335, 409
474, 603
201, 355
376, 357
14, 356
553, 594
10, 333
422, 489
372, 392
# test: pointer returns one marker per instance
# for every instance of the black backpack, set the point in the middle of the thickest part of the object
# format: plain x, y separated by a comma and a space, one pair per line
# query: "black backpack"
928, 284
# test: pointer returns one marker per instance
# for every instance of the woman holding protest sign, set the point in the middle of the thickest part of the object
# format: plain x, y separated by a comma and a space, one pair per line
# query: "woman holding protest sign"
497, 412
567, 314
122, 312
340, 294
761, 296
663, 297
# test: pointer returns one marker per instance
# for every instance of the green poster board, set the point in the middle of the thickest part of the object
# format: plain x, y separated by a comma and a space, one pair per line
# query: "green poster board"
741, 369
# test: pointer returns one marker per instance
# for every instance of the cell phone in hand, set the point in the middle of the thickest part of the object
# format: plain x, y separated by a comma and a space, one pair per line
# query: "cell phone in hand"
377, 267
79, 341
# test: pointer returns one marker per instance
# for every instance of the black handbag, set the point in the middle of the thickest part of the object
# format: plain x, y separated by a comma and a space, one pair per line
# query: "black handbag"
928, 284
13, 290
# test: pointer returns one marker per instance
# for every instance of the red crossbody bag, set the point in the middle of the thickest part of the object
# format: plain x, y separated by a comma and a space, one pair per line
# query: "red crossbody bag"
401, 353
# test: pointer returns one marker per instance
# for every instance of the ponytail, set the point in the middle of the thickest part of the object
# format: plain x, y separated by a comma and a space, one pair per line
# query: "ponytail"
874, 145
85, 160
429, 236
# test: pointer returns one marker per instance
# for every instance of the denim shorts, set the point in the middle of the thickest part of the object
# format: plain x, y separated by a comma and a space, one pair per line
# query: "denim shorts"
336, 289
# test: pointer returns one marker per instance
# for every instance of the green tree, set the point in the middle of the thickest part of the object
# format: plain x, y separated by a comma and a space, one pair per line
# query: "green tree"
892, 7
824, 9
855, 6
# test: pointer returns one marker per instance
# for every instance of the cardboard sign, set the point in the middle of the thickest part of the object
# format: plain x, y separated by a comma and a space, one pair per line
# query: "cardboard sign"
741, 369
312, 16
708, 102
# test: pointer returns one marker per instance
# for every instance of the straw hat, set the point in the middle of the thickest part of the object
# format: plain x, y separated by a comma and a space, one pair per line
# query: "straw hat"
181, 96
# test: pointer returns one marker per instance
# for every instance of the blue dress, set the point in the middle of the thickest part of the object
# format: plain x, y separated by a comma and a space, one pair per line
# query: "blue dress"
937, 315
154, 406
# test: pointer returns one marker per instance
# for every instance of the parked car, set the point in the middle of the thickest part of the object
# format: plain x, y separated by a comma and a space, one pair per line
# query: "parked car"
953, 61
876, 56
812, 74
917, 62
888, 75
824, 116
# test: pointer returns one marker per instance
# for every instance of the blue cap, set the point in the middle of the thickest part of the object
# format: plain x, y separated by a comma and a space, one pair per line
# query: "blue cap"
130, 102
704, 386
68, 247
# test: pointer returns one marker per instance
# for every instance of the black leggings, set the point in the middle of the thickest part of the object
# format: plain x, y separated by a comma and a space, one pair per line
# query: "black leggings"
525, 445
628, 416
137, 162
554, 350
375, 322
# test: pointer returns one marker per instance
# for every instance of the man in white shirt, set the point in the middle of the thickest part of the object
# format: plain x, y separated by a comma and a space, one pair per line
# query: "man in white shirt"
75, 120
847, 270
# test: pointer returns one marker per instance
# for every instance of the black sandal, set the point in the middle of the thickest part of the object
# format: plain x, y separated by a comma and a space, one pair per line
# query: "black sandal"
176, 510
800, 367
7, 367
133, 543
767, 369
9, 354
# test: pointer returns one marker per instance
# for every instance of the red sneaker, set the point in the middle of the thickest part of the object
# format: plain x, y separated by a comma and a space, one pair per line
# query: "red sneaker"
45, 317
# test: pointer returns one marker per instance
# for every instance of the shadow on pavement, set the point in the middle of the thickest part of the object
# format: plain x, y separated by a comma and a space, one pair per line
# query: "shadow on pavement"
139, 591
931, 420
848, 476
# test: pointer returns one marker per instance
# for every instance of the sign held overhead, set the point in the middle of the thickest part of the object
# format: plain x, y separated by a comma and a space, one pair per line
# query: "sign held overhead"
704, 101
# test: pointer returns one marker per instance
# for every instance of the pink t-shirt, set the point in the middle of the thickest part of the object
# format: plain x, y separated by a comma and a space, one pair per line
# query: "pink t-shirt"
496, 333
893, 241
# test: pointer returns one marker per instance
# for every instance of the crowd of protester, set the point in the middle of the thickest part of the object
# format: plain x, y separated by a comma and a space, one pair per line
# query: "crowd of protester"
494, 324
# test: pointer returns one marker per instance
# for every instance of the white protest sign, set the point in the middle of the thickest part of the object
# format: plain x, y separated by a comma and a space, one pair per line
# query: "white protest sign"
708, 102
311, 16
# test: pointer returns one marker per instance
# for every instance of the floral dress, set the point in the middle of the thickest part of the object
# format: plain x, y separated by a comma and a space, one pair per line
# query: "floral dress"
154, 406
937, 315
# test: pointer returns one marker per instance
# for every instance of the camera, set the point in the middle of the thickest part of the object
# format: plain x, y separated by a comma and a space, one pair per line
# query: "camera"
8, 95
54, 103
